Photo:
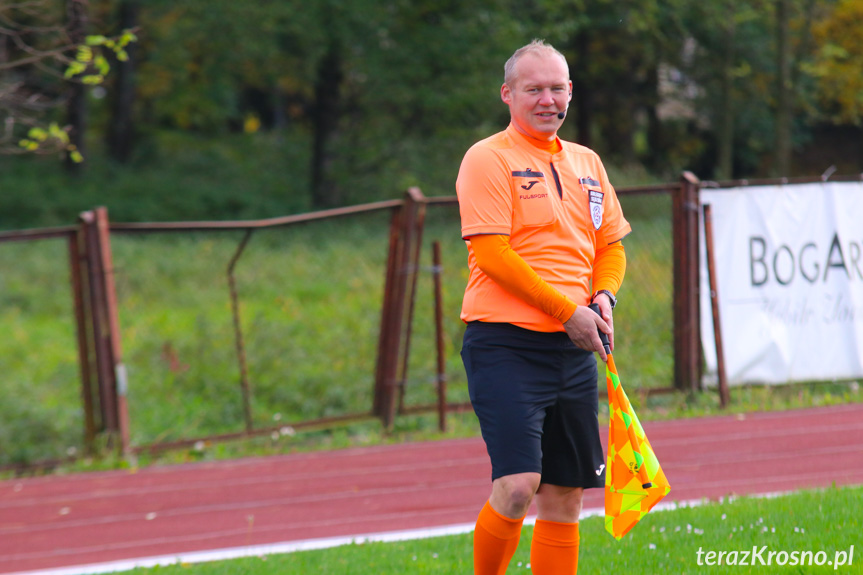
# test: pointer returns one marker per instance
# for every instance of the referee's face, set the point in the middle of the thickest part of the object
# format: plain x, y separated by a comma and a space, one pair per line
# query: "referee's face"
540, 91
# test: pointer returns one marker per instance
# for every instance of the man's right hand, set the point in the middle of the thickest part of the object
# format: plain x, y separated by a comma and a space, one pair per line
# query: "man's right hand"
581, 328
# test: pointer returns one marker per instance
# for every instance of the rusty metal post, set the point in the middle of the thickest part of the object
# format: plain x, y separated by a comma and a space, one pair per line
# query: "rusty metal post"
245, 387
386, 339
99, 325
121, 382
440, 339
724, 395
415, 234
402, 268
76, 262
412, 236
687, 350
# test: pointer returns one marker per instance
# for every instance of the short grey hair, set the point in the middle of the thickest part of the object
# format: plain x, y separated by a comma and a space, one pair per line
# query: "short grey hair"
538, 47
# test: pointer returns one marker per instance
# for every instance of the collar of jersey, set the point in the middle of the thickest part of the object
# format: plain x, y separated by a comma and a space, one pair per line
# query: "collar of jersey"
547, 147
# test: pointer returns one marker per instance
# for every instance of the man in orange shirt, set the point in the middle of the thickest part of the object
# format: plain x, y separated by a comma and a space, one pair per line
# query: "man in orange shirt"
543, 228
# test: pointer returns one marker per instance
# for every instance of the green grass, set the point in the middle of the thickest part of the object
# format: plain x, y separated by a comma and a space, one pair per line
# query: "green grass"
38, 359
309, 314
663, 542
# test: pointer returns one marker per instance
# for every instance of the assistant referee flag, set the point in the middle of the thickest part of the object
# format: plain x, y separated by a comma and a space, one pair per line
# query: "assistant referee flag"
634, 481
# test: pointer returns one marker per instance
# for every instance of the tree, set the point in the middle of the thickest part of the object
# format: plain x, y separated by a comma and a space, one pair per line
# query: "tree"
325, 121
76, 103
732, 67
40, 56
838, 63
725, 128
615, 51
418, 80
120, 136
32, 39
794, 21
782, 161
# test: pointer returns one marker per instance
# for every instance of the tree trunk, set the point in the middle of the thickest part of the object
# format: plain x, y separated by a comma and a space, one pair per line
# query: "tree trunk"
618, 110
782, 161
325, 119
121, 129
725, 135
583, 96
656, 156
76, 107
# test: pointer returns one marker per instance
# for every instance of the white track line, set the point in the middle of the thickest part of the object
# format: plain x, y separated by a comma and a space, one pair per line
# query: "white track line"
311, 544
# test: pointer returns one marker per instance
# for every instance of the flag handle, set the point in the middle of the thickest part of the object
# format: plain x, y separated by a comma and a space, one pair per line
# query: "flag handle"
603, 337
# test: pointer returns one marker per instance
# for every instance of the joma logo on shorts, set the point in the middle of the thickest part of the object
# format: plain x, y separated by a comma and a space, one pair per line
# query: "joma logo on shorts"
531, 196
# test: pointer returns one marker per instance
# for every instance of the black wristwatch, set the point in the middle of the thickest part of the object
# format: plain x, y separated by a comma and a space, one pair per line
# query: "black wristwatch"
610, 295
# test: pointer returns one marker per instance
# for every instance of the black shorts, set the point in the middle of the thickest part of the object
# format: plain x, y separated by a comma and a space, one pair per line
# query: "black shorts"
536, 398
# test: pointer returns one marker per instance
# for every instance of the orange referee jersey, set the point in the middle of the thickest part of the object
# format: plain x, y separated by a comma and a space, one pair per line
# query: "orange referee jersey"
557, 209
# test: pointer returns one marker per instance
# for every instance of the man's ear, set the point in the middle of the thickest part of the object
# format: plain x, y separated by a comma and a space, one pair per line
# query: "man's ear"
506, 94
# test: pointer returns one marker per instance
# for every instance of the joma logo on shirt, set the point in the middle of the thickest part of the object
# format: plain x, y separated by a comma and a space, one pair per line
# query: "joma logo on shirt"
531, 196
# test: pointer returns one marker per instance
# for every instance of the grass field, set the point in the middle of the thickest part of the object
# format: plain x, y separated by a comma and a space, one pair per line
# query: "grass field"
824, 521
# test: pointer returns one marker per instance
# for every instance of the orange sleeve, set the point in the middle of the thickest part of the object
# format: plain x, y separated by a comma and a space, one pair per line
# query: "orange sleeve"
496, 258
609, 267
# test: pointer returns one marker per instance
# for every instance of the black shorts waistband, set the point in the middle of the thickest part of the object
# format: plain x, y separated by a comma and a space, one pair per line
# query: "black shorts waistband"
508, 334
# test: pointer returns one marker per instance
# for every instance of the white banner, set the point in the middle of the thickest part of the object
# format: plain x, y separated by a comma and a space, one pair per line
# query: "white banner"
789, 274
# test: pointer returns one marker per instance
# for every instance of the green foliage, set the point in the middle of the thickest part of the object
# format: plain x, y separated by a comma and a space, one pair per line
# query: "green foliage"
838, 65
418, 82
89, 66
54, 136
175, 176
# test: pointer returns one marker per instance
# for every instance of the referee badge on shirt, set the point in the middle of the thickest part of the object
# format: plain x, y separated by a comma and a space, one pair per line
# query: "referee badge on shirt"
595, 197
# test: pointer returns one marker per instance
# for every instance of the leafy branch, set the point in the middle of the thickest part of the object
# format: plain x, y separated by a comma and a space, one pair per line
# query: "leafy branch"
46, 47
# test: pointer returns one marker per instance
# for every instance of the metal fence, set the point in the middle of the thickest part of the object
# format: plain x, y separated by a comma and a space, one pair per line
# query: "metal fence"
191, 331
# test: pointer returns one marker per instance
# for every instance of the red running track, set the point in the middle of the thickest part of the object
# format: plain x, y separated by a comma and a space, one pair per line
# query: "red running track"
52, 522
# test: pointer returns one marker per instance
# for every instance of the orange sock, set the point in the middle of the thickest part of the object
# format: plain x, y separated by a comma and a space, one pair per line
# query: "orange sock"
554, 550
494, 541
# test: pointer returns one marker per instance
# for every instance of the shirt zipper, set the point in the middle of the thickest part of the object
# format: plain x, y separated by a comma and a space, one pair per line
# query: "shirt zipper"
556, 180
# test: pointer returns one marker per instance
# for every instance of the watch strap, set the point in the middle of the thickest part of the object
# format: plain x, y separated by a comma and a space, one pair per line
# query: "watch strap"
610, 295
